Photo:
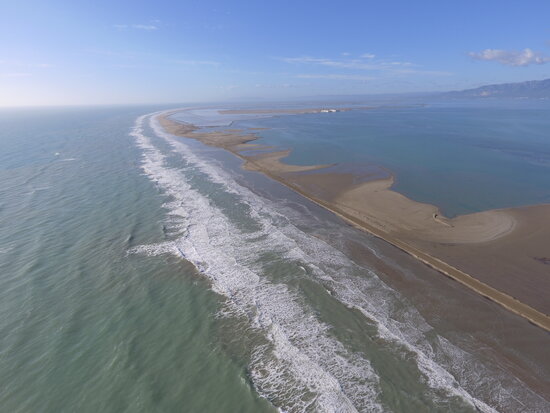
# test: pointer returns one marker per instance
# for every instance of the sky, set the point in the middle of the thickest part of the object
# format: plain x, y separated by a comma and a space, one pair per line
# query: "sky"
117, 52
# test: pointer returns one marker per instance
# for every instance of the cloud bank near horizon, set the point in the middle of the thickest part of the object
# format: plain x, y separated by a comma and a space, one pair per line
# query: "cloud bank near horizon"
516, 58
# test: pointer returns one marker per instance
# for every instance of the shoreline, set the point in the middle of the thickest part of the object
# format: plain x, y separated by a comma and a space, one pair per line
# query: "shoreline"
420, 231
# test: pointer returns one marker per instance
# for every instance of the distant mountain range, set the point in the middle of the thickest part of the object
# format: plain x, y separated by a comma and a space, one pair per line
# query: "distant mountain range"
533, 89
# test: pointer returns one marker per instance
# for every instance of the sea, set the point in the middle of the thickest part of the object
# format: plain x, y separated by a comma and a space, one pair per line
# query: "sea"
142, 272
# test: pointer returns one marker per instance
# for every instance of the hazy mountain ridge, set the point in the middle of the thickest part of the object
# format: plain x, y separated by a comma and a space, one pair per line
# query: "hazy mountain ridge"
532, 89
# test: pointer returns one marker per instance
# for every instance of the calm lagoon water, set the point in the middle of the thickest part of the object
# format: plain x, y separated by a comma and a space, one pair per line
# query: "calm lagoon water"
462, 157
144, 273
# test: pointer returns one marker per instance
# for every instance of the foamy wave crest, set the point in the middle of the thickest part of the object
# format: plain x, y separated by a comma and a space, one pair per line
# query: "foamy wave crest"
299, 366
155, 249
369, 295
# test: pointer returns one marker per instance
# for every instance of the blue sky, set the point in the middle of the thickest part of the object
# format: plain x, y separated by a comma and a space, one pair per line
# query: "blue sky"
83, 52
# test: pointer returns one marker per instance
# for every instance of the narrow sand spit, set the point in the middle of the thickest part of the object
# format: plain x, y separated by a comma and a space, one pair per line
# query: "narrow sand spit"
500, 254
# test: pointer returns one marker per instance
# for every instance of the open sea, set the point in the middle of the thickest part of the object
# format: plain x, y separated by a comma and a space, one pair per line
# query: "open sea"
140, 272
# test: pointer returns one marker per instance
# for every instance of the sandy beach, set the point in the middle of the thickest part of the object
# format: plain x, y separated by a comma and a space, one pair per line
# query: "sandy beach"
281, 111
500, 254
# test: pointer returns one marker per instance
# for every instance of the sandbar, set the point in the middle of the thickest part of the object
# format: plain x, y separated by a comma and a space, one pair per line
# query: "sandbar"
501, 254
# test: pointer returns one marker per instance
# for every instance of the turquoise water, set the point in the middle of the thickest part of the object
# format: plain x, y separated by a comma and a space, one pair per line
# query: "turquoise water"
144, 273
84, 326
461, 157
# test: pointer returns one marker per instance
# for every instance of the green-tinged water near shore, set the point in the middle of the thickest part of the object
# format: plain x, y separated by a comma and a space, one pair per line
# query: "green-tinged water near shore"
144, 273
84, 326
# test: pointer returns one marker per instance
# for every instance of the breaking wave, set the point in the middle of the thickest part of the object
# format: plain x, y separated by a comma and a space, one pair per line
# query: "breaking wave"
296, 363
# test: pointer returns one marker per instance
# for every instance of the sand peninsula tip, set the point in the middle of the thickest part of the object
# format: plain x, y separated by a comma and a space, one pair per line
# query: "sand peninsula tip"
450, 246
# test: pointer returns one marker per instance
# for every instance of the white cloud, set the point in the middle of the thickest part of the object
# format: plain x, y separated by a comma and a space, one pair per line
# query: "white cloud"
277, 85
112, 53
335, 77
392, 67
368, 56
523, 57
12, 68
198, 62
147, 27
20, 64
15, 74
144, 27
228, 87
347, 64
422, 72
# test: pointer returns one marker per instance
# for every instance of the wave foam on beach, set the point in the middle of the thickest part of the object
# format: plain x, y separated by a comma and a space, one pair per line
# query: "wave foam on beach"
297, 366
300, 365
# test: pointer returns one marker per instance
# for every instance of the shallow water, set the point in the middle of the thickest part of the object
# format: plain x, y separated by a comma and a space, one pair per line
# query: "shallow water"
145, 273
462, 157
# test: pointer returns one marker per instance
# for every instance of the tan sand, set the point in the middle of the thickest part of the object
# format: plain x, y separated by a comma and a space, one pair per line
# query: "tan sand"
517, 264
400, 216
277, 111
271, 161
500, 254
227, 139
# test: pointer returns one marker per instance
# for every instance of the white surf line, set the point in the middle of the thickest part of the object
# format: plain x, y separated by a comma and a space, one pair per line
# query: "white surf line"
189, 256
301, 348
438, 377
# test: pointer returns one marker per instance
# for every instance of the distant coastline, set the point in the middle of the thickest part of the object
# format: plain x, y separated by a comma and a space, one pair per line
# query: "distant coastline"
479, 250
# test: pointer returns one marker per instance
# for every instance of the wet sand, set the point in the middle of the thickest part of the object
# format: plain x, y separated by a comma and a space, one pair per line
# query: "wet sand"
500, 254
282, 111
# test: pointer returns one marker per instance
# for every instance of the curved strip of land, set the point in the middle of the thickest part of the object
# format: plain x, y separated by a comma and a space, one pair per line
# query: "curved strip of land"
497, 248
